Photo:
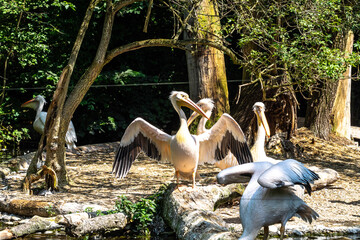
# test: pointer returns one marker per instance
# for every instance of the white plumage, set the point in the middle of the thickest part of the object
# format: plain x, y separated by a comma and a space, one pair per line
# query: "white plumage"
183, 150
207, 105
37, 104
269, 199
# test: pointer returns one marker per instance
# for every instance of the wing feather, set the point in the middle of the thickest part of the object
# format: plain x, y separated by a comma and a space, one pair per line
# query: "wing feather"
140, 136
226, 135
288, 173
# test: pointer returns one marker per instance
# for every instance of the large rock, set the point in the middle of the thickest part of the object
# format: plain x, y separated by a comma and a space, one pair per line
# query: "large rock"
190, 212
327, 177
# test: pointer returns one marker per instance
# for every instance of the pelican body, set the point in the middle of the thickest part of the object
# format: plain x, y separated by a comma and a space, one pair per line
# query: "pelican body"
207, 105
269, 199
183, 150
37, 104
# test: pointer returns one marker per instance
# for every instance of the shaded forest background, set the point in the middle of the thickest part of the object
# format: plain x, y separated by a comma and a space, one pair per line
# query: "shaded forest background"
143, 78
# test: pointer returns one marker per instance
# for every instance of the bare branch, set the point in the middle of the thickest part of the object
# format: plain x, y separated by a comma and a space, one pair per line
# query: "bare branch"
181, 44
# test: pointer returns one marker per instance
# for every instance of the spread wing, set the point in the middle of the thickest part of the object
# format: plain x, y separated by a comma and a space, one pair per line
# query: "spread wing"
288, 173
140, 135
226, 135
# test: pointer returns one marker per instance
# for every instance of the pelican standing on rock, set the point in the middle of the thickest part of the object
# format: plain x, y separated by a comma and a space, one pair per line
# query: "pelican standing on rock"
207, 105
183, 150
37, 104
268, 198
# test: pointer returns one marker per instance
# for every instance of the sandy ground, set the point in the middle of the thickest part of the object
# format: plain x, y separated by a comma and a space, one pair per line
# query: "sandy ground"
92, 181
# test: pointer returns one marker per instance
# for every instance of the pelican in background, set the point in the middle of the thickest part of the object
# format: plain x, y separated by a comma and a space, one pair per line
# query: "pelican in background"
263, 130
183, 150
207, 105
268, 198
37, 104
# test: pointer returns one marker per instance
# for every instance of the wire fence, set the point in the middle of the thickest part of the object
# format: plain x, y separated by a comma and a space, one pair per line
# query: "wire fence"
145, 84
120, 85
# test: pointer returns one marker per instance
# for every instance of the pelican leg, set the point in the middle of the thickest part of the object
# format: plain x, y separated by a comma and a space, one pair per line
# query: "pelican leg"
177, 180
282, 231
193, 179
266, 232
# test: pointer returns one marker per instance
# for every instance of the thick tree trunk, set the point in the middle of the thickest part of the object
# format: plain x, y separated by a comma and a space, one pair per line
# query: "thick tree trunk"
206, 65
326, 110
318, 110
341, 109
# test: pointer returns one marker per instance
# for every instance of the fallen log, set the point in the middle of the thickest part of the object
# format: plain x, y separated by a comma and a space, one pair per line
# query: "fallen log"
28, 207
106, 223
76, 224
35, 224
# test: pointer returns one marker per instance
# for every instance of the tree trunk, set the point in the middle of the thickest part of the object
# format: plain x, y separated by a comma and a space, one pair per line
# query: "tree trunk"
206, 65
341, 109
318, 110
327, 106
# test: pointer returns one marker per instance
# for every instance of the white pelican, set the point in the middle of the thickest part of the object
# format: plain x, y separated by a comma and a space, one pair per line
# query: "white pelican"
182, 149
263, 130
268, 198
37, 104
258, 149
207, 105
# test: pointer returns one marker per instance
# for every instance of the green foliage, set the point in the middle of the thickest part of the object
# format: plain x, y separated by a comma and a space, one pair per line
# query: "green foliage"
293, 44
29, 33
10, 137
25, 36
141, 213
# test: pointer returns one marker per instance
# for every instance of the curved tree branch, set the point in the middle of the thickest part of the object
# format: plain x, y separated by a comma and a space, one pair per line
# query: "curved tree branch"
181, 44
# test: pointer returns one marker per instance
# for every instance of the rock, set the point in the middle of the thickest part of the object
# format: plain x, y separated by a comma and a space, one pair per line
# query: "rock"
190, 212
327, 177
73, 219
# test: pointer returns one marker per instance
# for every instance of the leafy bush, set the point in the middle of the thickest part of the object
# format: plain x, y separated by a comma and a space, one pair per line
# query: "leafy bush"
142, 213
9, 137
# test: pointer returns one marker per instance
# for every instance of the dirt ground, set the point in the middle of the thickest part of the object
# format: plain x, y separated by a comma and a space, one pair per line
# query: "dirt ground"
92, 181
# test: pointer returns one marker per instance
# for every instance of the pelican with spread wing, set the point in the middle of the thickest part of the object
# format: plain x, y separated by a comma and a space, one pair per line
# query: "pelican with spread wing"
269, 197
183, 150
207, 105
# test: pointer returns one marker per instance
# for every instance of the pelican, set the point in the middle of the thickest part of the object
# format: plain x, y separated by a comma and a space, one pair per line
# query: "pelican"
207, 105
183, 150
263, 130
37, 104
268, 198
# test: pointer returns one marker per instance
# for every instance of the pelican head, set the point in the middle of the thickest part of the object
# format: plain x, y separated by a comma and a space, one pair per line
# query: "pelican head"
229, 176
259, 110
35, 103
207, 105
181, 99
